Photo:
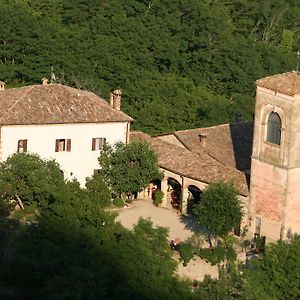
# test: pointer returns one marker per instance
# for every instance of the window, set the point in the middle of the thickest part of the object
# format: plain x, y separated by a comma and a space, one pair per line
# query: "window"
98, 143
63, 145
274, 129
22, 146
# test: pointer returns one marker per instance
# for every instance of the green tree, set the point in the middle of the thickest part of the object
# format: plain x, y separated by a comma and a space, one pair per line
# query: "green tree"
161, 54
76, 251
97, 190
219, 210
129, 168
229, 285
276, 275
30, 179
5, 207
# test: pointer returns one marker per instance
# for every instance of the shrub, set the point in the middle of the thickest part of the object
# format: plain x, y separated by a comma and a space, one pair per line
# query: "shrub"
186, 251
118, 202
197, 240
158, 197
260, 242
213, 256
217, 254
246, 244
97, 190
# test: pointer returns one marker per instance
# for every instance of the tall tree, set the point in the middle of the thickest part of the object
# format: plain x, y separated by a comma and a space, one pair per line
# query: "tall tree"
219, 210
30, 179
129, 168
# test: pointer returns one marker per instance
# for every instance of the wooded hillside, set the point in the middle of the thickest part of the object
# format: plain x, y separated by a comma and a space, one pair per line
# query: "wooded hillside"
180, 64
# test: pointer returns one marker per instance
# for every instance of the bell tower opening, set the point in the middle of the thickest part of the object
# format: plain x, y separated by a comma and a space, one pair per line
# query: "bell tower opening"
274, 129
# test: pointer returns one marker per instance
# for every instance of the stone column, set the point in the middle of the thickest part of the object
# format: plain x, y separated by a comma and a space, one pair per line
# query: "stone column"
184, 196
164, 189
142, 194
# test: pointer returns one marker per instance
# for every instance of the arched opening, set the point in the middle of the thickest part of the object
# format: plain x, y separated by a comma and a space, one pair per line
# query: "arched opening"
174, 194
193, 198
274, 129
153, 186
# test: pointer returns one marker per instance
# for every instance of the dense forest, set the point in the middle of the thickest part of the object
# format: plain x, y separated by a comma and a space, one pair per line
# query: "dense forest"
180, 64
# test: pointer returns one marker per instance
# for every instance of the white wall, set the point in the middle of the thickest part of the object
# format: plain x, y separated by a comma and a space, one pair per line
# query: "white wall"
78, 163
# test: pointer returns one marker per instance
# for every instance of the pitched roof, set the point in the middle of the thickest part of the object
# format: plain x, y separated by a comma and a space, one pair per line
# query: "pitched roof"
195, 165
230, 144
285, 83
54, 104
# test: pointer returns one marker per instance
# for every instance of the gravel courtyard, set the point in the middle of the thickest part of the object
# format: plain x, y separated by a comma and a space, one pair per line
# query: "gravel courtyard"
179, 227
159, 216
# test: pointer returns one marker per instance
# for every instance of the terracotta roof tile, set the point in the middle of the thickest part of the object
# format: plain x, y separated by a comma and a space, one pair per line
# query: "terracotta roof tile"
54, 104
286, 83
195, 165
230, 144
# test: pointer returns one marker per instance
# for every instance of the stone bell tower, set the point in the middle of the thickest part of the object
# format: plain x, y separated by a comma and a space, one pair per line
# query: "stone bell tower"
274, 207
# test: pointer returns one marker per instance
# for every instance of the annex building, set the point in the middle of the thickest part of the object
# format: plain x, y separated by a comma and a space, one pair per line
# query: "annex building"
261, 158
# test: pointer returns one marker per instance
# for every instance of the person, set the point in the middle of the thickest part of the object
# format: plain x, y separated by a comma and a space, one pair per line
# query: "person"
150, 189
175, 244
172, 245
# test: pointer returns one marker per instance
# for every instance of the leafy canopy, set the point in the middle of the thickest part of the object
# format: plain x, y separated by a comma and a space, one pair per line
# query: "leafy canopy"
219, 210
274, 275
30, 178
181, 64
129, 168
97, 190
277, 274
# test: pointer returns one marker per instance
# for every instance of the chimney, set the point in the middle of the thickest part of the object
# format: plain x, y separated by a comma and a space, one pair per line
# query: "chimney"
44, 81
115, 99
2, 86
202, 139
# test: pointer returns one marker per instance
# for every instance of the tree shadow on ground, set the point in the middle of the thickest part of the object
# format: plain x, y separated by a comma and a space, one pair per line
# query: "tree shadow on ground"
191, 224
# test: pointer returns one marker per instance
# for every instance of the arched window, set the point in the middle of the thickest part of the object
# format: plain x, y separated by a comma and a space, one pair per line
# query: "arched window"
274, 129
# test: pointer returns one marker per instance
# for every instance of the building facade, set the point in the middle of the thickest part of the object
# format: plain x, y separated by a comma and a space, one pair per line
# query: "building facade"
191, 160
61, 123
274, 207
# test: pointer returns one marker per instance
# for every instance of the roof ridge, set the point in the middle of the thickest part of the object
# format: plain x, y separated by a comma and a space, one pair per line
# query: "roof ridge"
181, 141
171, 144
51, 104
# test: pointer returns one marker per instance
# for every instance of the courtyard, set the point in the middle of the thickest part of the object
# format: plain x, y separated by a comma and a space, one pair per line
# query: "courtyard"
179, 227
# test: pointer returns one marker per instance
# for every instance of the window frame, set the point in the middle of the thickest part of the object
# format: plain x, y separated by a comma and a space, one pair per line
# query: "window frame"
63, 145
274, 128
22, 144
98, 143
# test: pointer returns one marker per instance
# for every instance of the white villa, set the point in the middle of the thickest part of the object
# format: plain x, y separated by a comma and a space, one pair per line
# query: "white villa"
62, 123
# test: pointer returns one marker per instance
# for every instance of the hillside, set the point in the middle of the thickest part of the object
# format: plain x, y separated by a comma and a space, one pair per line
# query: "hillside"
181, 64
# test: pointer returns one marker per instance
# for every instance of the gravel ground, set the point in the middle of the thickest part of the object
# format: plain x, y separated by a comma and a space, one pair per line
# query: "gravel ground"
179, 227
159, 216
